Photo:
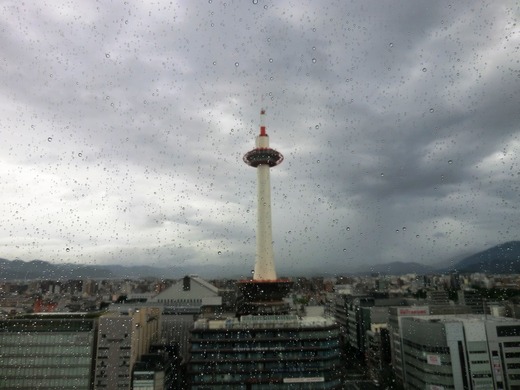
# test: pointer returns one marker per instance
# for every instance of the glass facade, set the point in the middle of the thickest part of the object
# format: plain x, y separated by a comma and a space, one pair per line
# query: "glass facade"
43, 353
257, 358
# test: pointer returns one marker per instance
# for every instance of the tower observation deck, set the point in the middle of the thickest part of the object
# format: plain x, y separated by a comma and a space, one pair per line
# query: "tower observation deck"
264, 293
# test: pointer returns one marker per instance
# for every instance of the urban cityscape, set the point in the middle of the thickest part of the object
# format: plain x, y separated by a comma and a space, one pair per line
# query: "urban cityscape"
451, 331
446, 331
259, 195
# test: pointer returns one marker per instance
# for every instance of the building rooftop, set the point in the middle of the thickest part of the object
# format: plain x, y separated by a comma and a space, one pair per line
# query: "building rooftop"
265, 322
463, 318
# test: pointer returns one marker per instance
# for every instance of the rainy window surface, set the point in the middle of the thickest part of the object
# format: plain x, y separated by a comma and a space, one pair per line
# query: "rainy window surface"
124, 125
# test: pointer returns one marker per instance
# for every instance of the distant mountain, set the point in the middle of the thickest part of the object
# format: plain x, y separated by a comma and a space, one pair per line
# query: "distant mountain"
397, 268
39, 269
500, 259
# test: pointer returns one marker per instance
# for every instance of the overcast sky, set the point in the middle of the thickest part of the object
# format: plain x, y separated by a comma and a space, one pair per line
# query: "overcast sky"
123, 125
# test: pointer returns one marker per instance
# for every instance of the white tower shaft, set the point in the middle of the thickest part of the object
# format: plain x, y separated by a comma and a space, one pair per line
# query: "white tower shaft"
264, 263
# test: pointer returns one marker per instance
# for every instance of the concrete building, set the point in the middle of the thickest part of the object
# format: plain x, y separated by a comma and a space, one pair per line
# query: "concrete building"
122, 339
377, 353
396, 315
182, 303
473, 299
48, 350
461, 352
437, 297
265, 352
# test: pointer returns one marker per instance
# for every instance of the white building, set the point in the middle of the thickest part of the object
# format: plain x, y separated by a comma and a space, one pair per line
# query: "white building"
461, 352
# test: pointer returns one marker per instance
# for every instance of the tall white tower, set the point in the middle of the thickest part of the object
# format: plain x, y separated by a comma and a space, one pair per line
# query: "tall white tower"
263, 158
265, 292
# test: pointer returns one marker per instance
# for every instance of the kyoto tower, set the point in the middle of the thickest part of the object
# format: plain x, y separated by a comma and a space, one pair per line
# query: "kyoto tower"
264, 293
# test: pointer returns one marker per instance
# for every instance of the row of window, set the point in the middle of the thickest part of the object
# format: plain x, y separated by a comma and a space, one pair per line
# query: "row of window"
252, 355
266, 366
426, 348
286, 344
230, 378
333, 384
30, 360
421, 384
71, 373
289, 335
190, 302
45, 339
50, 350
49, 383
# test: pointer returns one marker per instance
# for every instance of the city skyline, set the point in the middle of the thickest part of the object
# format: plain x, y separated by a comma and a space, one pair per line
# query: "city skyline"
124, 127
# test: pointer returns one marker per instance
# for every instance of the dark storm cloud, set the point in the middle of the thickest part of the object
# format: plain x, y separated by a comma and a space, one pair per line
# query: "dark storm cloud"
128, 123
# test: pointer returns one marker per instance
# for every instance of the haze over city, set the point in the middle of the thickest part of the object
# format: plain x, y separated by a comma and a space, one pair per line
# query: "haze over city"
124, 125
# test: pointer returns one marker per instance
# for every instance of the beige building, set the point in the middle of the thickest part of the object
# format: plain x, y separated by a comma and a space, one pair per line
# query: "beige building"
123, 337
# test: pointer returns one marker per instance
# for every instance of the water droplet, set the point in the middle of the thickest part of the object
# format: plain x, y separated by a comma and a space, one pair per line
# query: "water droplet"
382, 174
255, 1
317, 127
314, 60
391, 44
424, 69
416, 236
404, 228
107, 55
214, 62
80, 154
348, 228
318, 161
236, 64
49, 139
450, 161
219, 252
344, 249
432, 110
397, 230
270, 60
67, 249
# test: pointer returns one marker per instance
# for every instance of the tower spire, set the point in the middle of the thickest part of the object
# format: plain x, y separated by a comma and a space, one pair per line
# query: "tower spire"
262, 122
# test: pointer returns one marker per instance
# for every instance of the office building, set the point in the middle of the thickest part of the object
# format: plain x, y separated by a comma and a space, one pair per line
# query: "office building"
48, 350
461, 352
265, 352
182, 303
122, 339
396, 315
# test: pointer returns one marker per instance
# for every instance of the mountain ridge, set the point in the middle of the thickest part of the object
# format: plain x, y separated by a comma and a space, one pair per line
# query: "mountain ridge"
500, 259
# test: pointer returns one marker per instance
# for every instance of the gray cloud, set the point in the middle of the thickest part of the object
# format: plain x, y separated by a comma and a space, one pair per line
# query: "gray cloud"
124, 127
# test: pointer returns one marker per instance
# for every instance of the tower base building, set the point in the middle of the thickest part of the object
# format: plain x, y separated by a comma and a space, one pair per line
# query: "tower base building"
265, 352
